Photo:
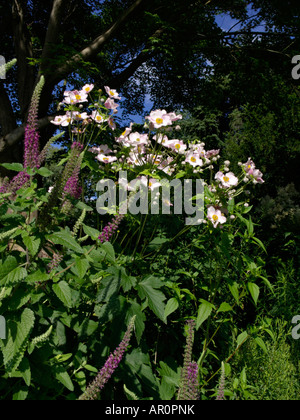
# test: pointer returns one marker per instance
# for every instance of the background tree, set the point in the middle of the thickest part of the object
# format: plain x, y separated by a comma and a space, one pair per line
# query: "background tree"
139, 47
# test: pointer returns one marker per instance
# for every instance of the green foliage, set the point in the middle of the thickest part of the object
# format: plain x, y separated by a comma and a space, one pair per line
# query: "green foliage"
268, 372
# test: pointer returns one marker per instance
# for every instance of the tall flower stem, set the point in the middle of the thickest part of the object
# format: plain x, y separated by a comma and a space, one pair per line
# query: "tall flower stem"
110, 366
189, 377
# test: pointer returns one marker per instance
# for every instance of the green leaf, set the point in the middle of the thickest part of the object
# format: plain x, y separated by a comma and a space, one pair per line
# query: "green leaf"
139, 326
37, 276
261, 245
33, 244
24, 368
225, 307
204, 312
109, 286
125, 281
254, 291
11, 273
82, 206
241, 339
14, 347
148, 289
17, 167
129, 394
234, 289
91, 232
169, 375
64, 378
171, 306
109, 251
80, 268
157, 243
63, 292
66, 239
44, 172
259, 341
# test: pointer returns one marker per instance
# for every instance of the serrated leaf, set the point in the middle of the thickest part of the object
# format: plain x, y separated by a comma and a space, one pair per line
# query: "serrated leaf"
67, 240
129, 394
14, 347
148, 288
91, 232
80, 268
25, 371
109, 251
169, 375
37, 276
139, 326
11, 273
204, 311
32, 244
63, 292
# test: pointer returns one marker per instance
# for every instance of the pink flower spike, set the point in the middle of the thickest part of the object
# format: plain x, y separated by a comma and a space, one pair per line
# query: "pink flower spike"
215, 216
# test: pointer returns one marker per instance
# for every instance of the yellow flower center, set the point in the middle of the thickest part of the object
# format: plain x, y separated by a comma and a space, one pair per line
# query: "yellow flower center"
226, 179
78, 97
215, 218
177, 146
98, 118
111, 93
159, 120
193, 159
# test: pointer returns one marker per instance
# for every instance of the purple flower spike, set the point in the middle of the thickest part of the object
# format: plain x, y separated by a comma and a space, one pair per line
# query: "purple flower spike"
110, 366
111, 228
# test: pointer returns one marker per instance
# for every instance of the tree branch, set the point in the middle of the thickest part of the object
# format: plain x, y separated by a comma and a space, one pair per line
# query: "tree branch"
14, 136
52, 32
7, 117
23, 49
94, 47
129, 71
